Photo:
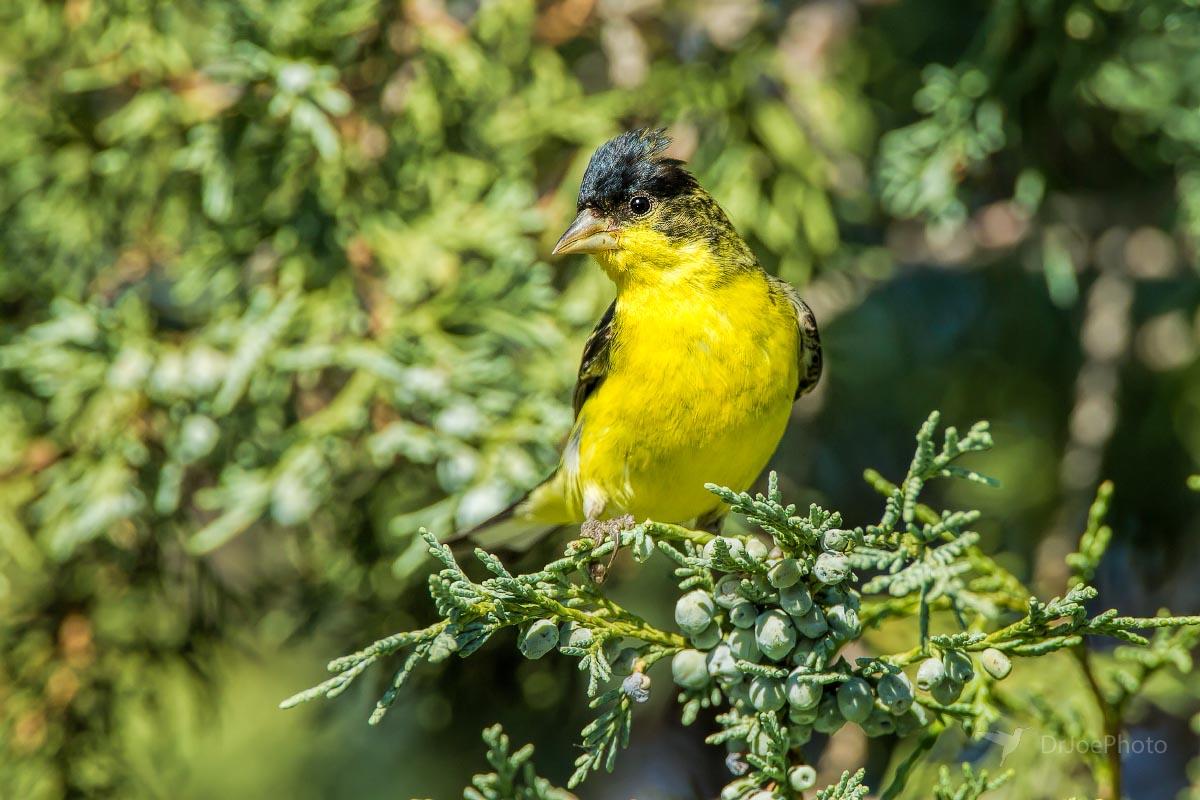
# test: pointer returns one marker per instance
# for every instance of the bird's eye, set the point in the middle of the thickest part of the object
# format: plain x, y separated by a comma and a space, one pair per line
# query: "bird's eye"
639, 204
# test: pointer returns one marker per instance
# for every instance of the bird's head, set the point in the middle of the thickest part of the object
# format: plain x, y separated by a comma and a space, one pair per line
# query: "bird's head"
646, 219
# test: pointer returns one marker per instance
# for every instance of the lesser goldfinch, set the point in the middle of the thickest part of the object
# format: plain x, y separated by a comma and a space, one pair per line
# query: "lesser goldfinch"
690, 375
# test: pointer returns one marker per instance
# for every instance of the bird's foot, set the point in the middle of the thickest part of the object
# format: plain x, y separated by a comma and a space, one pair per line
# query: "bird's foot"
600, 531
592, 529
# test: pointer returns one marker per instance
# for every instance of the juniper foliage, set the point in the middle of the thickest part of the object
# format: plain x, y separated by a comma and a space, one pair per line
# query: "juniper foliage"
274, 288
274, 284
764, 622
513, 778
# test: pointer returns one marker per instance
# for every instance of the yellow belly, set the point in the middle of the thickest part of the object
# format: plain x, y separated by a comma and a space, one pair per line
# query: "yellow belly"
699, 390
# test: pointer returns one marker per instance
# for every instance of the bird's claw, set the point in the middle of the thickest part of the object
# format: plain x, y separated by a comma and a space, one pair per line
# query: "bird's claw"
599, 531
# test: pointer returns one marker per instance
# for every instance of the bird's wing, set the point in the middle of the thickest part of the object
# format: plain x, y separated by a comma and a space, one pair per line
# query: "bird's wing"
510, 528
593, 367
808, 354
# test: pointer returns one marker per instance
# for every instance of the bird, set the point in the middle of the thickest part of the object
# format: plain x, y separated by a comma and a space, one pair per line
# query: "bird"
690, 375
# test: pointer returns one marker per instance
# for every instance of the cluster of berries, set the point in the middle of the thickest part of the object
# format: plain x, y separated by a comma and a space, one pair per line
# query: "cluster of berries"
770, 641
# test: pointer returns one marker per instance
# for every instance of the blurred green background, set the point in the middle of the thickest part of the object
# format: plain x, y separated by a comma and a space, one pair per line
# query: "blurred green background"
275, 292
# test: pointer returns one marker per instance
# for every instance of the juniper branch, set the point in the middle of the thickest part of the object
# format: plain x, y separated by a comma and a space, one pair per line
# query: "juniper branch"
763, 630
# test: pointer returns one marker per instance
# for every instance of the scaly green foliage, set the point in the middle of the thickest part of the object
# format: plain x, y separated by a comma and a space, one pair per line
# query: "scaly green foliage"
766, 624
273, 284
274, 289
514, 778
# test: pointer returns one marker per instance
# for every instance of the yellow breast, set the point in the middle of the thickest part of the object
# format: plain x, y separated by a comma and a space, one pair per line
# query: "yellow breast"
699, 389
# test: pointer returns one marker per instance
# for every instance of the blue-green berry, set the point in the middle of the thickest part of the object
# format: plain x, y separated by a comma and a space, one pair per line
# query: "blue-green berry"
829, 717
812, 623
580, 637
831, 568
802, 716
839, 596
896, 692
744, 645
756, 588
739, 694
795, 600
804, 653
836, 540
802, 778
538, 639
571, 634
947, 691
843, 621
801, 693
959, 666
756, 548
707, 638
735, 546
995, 663
727, 594
760, 743
775, 634
879, 723
855, 699
743, 614
689, 670
694, 611
722, 665
767, 693
930, 673
784, 573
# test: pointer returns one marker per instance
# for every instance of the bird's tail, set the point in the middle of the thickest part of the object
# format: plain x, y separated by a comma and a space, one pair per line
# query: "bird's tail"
520, 526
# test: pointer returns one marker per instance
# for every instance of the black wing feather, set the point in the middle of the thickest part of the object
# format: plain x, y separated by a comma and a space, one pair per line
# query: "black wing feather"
593, 367
808, 354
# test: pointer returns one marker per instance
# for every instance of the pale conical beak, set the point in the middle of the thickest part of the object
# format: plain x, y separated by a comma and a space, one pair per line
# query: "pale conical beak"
589, 233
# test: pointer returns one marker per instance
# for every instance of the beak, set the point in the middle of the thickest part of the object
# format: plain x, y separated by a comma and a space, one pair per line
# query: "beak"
589, 233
